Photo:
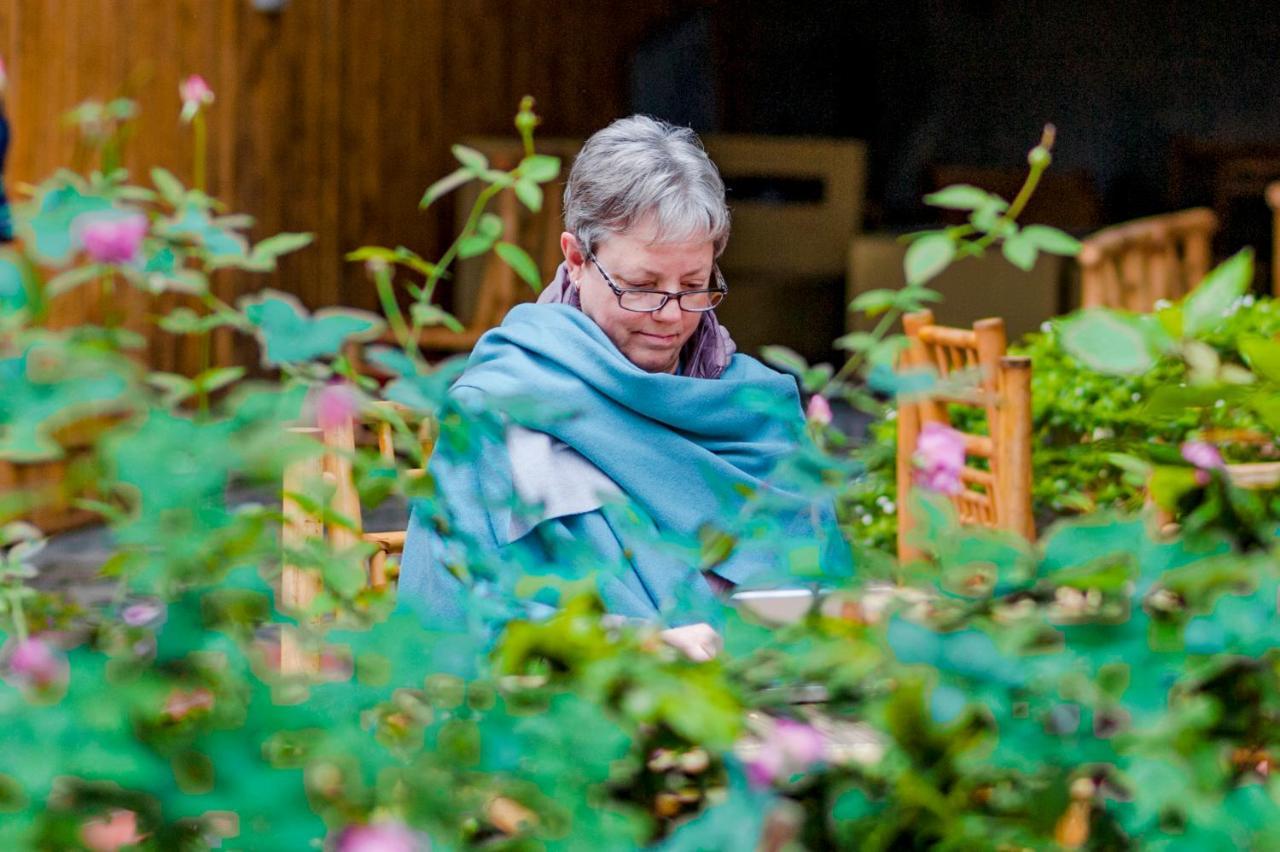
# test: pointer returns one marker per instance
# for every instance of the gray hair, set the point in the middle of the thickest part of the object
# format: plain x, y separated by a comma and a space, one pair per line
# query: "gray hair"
639, 168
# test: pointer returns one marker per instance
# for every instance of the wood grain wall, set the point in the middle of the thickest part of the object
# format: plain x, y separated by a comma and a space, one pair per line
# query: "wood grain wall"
332, 116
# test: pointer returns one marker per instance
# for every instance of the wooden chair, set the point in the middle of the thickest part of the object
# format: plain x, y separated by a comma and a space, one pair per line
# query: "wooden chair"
1273, 201
1133, 265
999, 497
335, 465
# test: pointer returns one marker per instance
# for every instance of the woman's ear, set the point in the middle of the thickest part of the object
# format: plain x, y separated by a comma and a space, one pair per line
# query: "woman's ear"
573, 256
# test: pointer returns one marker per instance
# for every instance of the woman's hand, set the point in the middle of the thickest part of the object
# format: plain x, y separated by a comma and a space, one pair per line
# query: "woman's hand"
699, 642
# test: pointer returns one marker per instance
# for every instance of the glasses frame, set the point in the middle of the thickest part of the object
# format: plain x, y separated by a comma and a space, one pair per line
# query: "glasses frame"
721, 287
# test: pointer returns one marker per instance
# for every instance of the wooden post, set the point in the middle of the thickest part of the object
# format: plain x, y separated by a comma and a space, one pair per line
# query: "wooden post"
908, 431
298, 585
1013, 448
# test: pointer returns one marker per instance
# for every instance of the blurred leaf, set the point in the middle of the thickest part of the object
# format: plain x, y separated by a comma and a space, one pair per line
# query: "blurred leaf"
1263, 356
518, 259
1051, 240
540, 168
927, 257
1207, 305
171, 189
964, 197
874, 302
274, 246
784, 359
425, 314
1107, 341
472, 160
1020, 250
529, 193
287, 334
445, 185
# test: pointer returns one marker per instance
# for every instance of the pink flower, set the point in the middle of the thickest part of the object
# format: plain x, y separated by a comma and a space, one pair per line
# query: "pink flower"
381, 837
791, 747
1203, 455
35, 663
335, 405
4, 77
819, 410
142, 613
181, 704
939, 458
112, 238
109, 833
195, 93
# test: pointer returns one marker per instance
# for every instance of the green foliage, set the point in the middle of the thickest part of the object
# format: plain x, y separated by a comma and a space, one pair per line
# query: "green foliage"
997, 695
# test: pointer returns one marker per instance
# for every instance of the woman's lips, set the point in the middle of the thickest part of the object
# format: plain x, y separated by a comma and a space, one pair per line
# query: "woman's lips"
658, 338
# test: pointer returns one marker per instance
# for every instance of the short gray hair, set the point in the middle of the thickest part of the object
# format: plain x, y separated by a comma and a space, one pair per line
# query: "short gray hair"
639, 168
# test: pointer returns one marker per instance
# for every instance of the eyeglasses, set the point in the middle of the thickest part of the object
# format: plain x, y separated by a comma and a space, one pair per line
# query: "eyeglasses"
652, 301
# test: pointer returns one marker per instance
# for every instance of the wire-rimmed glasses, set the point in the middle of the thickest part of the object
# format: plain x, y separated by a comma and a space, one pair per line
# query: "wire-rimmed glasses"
652, 301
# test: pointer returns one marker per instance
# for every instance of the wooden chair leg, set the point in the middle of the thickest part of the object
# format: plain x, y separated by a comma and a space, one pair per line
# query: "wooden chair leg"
298, 585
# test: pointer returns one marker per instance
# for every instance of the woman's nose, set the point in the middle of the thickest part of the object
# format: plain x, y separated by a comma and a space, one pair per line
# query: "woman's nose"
670, 312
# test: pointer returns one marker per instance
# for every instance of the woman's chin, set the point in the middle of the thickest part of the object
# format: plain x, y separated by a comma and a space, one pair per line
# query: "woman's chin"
652, 361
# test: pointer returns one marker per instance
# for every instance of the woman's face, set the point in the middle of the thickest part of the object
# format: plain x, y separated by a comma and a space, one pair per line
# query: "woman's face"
651, 341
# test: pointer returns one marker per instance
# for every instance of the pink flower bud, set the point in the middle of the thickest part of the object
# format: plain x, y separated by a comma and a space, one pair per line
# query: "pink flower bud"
1203, 455
111, 238
381, 837
195, 93
181, 704
335, 405
36, 664
790, 748
819, 410
939, 458
112, 832
4, 77
142, 613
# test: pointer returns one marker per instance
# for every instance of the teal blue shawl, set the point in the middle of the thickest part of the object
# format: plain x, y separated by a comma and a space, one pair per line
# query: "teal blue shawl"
693, 456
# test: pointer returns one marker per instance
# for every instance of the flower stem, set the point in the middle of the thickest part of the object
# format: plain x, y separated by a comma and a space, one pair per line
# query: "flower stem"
201, 146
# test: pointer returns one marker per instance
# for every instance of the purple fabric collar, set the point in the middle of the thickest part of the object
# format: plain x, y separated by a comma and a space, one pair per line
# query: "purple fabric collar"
705, 355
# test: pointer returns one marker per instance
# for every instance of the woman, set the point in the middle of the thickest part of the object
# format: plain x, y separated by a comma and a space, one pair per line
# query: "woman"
632, 429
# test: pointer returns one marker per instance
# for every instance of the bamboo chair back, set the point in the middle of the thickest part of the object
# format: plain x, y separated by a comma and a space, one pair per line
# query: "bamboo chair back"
1273, 201
1000, 496
335, 466
1133, 265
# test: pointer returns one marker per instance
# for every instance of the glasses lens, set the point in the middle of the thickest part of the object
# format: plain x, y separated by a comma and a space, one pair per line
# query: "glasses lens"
640, 300
704, 301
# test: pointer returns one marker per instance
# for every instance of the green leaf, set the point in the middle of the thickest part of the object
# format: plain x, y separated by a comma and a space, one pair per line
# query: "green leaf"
218, 377
274, 246
1263, 355
425, 314
474, 245
784, 359
1206, 306
856, 341
1107, 341
72, 278
490, 225
529, 193
170, 187
1019, 250
288, 335
1052, 240
1168, 484
518, 259
540, 168
874, 302
444, 186
472, 160
964, 197
928, 256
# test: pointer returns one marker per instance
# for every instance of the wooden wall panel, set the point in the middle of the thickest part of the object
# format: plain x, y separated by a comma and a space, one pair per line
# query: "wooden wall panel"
331, 116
